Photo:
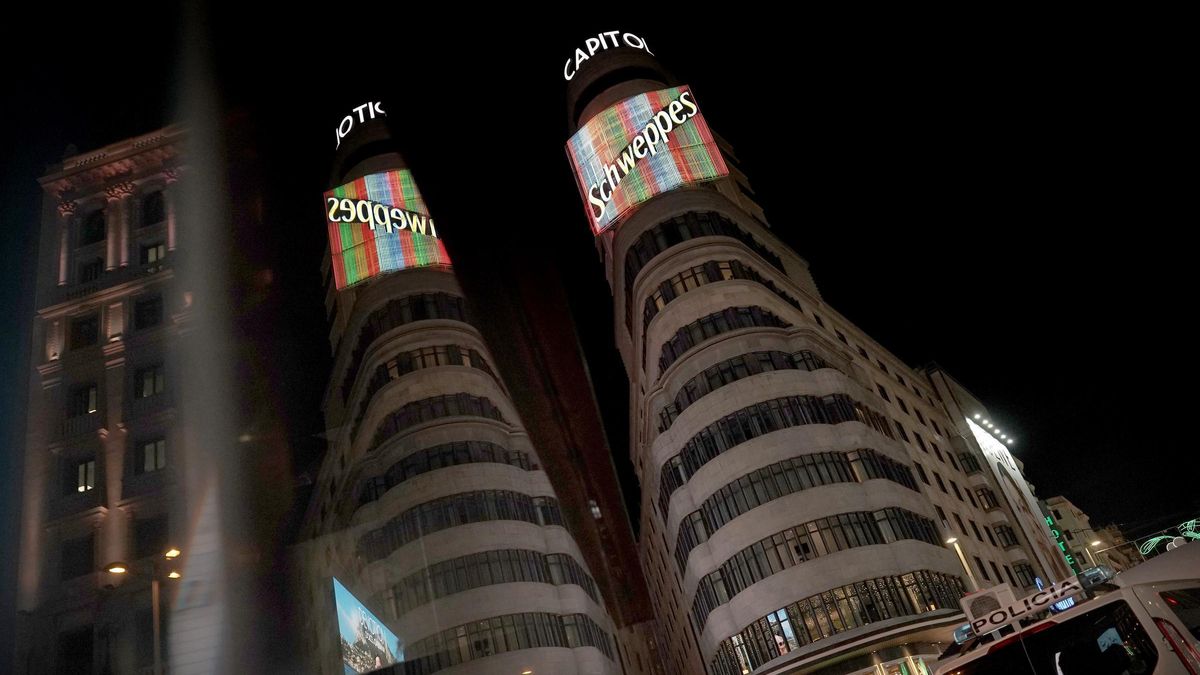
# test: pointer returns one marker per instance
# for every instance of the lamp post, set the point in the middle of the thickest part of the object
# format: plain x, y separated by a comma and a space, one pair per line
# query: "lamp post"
120, 568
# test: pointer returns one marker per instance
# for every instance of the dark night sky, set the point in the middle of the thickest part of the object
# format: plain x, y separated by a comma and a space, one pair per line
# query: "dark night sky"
1003, 200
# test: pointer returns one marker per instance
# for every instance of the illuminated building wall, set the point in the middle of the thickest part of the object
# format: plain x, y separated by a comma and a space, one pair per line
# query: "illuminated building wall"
765, 426
431, 505
102, 454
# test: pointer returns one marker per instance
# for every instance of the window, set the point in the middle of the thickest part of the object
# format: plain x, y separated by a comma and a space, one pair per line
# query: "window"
149, 536
1185, 603
92, 230
957, 493
863, 353
900, 402
1069, 535
883, 392
729, 319
971, 498
85, 331
987, 498
91, 270
978, 535
1057, 515
80, 476
153, 456
900, 430
921, 443
148, 312
152, 254
900, 379
953, 462
962, 527
982, 569
882, 366
921, 472
988, 532
83, 400
941, 484
1006, 535
920, 417
941, 514
150, 382
153, 209
1008, 573
78, 557
819, 321
1024, 574
841, 337
936, 427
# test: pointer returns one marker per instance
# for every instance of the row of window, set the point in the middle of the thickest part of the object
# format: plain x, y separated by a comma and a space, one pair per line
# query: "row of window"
92, 227
79, 475
804, 542
455, 510
732, 370
432, 408
488, 568
500, 634
407, 362
712, 325
675, 231
437, 457
84, 399
835, 611
84, 331
754, 421
151, 253
699, 275
779, 479
395, 313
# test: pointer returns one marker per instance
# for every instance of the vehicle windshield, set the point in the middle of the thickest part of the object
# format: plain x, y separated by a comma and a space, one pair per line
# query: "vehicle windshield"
1107, 640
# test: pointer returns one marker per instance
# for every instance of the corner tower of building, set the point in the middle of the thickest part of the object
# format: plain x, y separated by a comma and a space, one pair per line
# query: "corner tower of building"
803, 503
430, 506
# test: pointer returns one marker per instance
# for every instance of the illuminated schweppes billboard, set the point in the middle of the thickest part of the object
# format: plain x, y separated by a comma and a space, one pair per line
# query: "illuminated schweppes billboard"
641, 147
379, 224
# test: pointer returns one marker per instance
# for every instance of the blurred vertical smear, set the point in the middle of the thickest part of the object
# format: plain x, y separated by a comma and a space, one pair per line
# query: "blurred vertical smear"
200, 622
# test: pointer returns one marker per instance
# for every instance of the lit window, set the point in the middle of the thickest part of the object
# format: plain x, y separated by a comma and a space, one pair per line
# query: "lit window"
154, 456
150, 382
85, 475
153, 253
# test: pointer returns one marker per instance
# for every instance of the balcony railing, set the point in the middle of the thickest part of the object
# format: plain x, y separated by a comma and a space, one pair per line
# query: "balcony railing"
81, 424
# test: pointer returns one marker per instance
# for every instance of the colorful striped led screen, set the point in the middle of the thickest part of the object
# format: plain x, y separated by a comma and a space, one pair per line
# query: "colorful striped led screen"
616, 171
362, 248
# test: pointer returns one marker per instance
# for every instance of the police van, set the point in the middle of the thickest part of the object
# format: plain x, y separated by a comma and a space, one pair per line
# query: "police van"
1145, 622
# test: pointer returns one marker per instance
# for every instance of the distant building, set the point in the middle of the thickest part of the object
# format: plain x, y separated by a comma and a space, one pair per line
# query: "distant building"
102, 452
1087, 546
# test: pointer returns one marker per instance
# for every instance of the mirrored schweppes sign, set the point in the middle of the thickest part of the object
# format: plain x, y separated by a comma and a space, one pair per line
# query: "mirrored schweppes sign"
641, 147
379, 224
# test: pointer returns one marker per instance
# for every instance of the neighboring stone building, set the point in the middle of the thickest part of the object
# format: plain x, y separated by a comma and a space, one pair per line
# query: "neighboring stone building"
102, 459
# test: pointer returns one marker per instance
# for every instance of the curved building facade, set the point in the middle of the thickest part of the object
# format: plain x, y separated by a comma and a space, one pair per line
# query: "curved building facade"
431, 506
788, 520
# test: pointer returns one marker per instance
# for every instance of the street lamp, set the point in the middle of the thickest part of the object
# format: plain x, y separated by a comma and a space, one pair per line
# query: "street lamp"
121, 568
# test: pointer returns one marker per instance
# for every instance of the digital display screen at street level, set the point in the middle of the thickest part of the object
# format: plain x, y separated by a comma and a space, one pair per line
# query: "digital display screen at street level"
639, 148
367, 644
379, 224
